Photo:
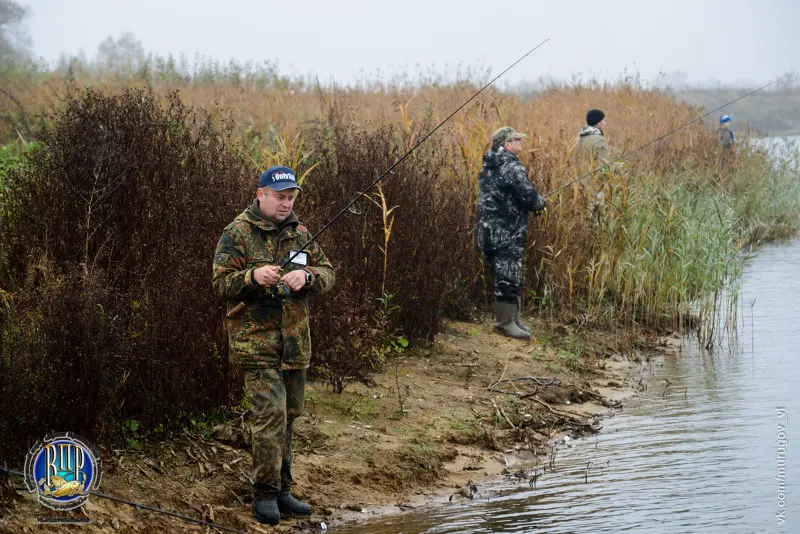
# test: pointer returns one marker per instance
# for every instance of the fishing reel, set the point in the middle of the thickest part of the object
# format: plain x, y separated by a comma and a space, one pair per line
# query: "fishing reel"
280, 290
298, 258
542, 211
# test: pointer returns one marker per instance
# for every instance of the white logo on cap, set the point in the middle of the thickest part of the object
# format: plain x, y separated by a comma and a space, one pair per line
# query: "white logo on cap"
283, 176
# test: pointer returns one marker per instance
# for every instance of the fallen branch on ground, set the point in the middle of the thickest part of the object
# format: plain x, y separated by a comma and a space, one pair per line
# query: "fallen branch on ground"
602, 400
500, 412
539, 381
517, 393
568, 419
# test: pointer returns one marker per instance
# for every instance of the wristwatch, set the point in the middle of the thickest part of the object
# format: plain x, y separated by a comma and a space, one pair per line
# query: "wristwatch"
309, 277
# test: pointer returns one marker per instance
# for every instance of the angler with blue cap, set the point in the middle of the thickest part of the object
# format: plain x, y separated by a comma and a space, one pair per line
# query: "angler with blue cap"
268, 331
725, 132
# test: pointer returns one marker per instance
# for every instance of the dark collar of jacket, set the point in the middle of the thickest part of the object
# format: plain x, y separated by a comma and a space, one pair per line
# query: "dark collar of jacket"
506, 156
252, 215
495, 158
590, 130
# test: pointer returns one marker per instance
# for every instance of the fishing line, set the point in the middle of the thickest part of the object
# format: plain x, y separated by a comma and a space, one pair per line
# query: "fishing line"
399, 161
144, 507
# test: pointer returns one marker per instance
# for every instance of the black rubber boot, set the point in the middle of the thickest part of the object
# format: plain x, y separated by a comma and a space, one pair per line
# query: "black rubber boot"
291, 507
265, 510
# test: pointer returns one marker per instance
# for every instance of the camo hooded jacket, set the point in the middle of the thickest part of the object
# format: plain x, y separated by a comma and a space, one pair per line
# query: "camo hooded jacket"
505, 198
267, 332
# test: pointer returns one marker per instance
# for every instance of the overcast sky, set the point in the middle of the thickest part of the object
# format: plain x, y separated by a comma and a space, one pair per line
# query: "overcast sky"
345, 40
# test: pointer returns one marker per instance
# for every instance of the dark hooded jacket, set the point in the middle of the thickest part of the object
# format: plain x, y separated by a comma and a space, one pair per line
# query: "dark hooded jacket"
505, 198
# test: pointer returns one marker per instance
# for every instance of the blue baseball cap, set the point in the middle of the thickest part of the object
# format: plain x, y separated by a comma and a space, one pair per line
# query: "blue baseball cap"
278, 178
724, 119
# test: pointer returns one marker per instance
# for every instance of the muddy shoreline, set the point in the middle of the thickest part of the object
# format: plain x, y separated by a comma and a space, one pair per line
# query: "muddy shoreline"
519, 466
475, 406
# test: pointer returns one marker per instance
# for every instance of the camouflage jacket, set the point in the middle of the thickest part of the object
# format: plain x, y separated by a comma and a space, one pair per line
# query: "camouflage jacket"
593, 143
726, 137
264, 331
505, 198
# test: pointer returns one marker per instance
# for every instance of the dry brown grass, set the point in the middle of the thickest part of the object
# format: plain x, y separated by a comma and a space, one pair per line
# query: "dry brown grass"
569, 263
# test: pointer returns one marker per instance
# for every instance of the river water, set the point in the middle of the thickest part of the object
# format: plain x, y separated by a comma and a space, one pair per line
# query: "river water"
716, 450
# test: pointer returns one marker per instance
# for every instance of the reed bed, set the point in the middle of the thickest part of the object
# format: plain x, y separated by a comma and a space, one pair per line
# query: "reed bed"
662, 249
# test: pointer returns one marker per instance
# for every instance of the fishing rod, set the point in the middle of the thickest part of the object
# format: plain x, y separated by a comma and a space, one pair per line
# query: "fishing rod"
144, 506
399, 161
657, 139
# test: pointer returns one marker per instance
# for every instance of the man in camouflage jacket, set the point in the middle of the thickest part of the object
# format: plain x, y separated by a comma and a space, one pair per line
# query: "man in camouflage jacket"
505, 198
269, 335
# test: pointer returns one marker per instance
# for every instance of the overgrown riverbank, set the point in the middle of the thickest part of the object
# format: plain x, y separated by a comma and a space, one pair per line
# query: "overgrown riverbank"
109, 328
470, 410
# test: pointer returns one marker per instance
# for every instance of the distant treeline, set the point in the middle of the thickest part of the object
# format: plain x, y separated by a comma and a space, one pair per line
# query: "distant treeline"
774, 112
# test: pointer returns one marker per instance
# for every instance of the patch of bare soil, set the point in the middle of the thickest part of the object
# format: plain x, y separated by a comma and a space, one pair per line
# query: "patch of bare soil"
435, 425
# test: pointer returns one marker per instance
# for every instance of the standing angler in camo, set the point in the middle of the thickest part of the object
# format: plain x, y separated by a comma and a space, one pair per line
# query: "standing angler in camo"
505, 198
725, 132
269, 335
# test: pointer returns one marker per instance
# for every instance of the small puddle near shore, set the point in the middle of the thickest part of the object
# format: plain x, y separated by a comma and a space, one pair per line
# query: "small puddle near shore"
704, 455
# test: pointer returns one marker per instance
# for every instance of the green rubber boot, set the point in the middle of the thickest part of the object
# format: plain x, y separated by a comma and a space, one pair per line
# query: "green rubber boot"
504, 312
518, 319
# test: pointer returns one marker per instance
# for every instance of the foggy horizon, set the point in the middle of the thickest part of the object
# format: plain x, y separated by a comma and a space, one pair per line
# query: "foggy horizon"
702, 46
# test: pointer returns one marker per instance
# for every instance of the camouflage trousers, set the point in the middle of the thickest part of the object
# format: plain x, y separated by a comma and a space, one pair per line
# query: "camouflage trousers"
277, 399
506, 266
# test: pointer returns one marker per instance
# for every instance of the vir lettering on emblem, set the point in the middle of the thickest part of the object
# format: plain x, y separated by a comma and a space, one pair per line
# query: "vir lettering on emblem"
69, 458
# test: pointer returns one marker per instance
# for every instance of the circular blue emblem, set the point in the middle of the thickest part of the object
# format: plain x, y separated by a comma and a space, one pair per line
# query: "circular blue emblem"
62, 469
